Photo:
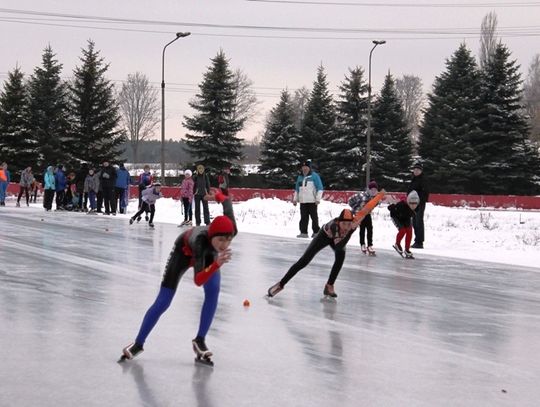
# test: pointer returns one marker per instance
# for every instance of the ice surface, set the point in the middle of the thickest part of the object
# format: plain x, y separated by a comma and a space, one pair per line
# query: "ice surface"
427, 332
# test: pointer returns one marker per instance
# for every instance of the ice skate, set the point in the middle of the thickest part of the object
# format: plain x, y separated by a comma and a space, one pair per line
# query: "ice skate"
203, 355
363, 248
146, 218
131, 220
276, 288
398, 249
130, 351
303, 235
138, 219
151, 225
18, 204
408, 254
371, 251
329, 291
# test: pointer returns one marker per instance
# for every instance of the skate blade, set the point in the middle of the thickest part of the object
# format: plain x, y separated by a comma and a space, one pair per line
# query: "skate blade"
204, 362
122, 359
328, 298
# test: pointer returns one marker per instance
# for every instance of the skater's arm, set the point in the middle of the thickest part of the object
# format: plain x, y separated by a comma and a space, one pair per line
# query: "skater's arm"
202, 276
224, 200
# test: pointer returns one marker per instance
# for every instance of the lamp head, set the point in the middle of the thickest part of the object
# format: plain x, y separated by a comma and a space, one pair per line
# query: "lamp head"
381, 42
180, 35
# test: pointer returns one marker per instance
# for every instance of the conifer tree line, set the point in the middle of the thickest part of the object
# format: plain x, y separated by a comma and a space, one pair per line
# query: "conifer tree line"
475, 136
45, 120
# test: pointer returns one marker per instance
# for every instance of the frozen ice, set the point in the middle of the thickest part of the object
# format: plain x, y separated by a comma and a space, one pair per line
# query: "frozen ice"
433, 331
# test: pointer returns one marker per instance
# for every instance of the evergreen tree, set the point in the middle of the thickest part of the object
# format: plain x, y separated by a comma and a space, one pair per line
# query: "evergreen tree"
392, 148
47, 111
450, 123
279, 158
96, 135
215, 143
16, 143
507, 161
347, 151
318, 128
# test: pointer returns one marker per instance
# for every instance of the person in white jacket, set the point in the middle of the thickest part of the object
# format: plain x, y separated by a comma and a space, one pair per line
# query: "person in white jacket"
308, 192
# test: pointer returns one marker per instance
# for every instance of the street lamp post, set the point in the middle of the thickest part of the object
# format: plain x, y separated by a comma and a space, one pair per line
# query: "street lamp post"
368, 146
178, 35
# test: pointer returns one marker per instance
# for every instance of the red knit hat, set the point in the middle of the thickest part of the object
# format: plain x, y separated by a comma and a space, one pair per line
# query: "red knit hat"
221, 226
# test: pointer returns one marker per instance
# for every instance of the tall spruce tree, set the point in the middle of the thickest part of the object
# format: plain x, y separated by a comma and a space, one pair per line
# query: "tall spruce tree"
392, 147
450, 123
279, 158
347, 151
16, 143
47, 111
95, 115
507, 161
319, 125
214, 142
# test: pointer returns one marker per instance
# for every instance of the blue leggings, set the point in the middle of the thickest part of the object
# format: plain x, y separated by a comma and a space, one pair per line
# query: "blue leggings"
164, 299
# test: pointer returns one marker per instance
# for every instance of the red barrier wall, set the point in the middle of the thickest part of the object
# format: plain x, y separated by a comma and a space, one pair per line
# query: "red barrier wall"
473, 201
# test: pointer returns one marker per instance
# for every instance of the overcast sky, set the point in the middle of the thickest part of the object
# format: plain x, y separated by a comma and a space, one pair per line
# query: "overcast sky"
419, 39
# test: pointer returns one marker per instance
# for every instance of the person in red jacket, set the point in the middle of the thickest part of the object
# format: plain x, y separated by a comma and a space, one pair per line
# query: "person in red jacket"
206, 249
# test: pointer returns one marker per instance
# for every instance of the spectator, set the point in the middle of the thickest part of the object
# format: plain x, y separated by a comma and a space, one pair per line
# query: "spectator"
223, 180
60, 186
186, 193
201, 188
419, 185
49, 188
91, 188
121, 188
308, 191
5, 179
80, 179
366, 226
25, 184
107, 181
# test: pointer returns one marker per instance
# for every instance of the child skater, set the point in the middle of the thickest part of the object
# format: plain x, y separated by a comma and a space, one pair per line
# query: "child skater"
366, 226
186, 193
335, 234
402, 214
206, 249
149, 197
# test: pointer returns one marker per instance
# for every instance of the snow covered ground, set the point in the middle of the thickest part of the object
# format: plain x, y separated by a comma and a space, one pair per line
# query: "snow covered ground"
503, 236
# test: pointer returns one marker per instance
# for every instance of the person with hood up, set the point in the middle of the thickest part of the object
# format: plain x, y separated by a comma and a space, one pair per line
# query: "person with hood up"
60, 182
27, 178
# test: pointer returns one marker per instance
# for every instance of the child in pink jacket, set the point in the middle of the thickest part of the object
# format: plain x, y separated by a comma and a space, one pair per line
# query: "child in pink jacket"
186, 193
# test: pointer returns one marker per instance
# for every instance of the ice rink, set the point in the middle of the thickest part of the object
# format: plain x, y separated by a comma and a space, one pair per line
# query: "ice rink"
429, 332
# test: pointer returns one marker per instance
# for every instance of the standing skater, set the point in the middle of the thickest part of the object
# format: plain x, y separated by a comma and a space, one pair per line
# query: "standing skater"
335, 234
149, 197
418, 184
201, 188
308, 191
186, 193
401, 214
48, 188
5, 179
206, 249
366, 226
25, 184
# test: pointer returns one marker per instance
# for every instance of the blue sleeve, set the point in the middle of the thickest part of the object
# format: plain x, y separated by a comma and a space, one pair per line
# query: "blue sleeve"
298, 182
317, 181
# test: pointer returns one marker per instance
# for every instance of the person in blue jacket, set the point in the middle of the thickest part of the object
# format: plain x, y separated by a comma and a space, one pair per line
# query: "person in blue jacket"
60, 185
49, 187
308, 192
5, 179
121, 188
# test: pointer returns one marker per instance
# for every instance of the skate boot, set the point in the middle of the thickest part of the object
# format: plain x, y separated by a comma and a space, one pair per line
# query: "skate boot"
408, 254
130, 351
276, 288
371, 251
363, 248
131, 220
18, 204
202, 353
329, 291
398, 249
146, 218
151, 224
138, 219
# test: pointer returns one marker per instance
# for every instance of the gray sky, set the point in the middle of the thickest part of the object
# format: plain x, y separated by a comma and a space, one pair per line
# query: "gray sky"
272, 63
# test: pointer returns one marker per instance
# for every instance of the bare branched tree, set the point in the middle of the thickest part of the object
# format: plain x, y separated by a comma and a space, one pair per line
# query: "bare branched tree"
409, 90
488, 38
246, 103
531, 97
139, 109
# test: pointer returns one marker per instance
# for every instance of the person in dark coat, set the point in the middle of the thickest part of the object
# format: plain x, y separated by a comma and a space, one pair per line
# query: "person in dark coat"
107, 180
418, 184
80, 179
201, 188
401, 214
